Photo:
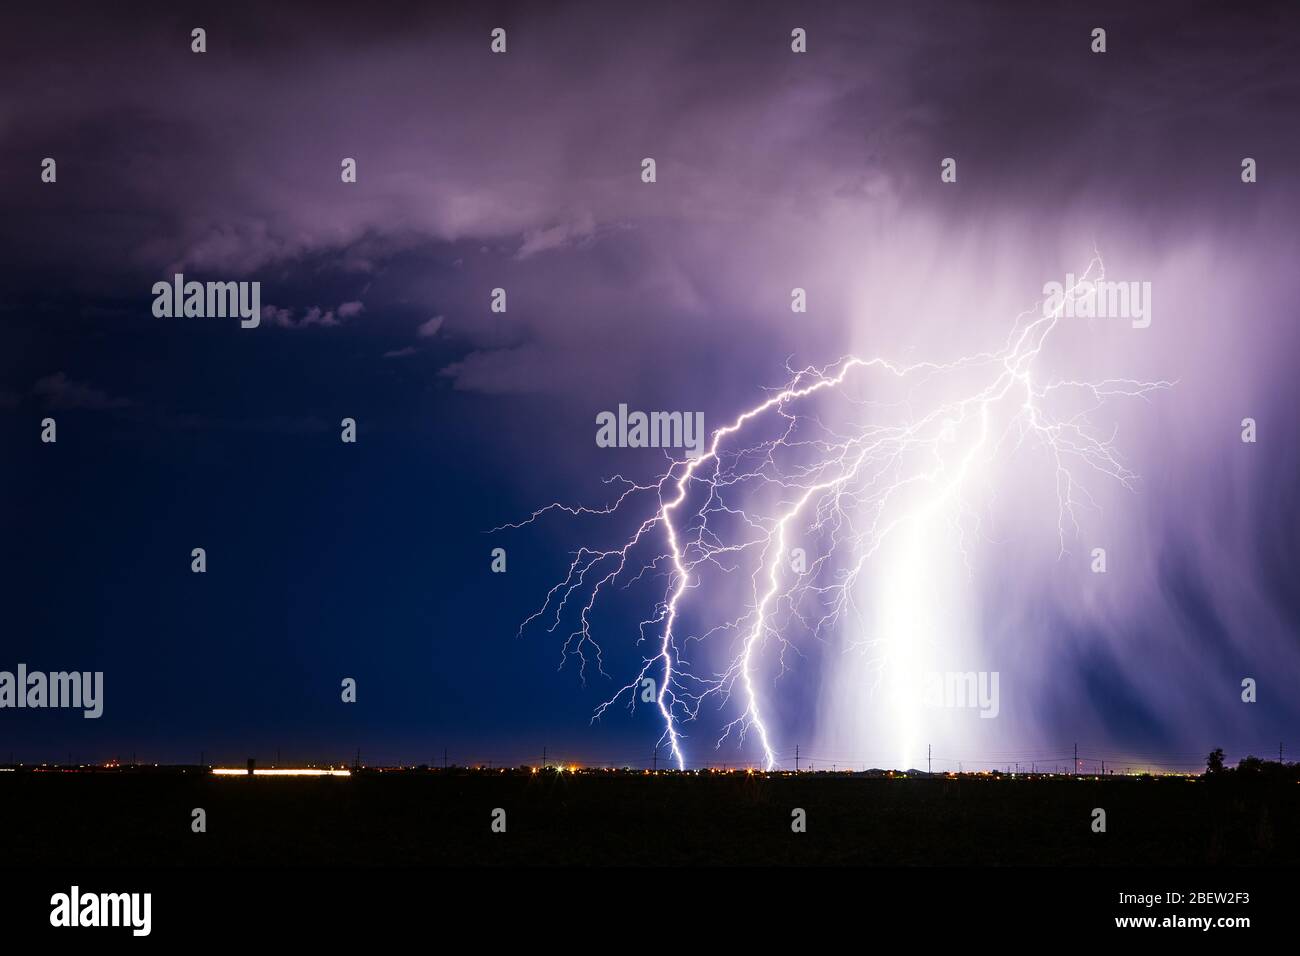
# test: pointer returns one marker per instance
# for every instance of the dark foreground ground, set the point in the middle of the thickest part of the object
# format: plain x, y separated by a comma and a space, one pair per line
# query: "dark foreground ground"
445, 817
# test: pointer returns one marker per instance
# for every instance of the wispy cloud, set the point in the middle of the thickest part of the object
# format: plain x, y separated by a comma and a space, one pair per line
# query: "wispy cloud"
315, 316
429, 329
59, 391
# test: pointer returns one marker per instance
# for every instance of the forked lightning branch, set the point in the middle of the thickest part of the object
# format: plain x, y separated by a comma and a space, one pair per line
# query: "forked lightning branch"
785, 471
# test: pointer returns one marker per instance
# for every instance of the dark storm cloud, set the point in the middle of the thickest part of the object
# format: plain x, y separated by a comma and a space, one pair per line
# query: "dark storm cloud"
227, 164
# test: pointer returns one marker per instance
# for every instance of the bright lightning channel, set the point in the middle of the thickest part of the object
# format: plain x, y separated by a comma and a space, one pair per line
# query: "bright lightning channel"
840, 483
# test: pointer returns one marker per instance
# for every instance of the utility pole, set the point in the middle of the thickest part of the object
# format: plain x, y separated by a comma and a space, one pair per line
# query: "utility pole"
543, 756
444, 758
656, 759
929, 768
1076, 759
796, 758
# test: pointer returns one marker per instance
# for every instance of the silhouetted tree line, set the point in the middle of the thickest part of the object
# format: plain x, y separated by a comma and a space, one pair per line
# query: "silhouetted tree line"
1251, 767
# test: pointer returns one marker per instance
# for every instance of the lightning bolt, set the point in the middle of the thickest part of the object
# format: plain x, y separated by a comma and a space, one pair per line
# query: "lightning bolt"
854, 485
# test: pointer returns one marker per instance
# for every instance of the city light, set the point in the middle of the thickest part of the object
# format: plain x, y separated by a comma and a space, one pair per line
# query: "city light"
286, 772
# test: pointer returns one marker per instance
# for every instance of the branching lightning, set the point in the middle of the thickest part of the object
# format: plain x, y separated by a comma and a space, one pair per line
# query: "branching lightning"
778, 470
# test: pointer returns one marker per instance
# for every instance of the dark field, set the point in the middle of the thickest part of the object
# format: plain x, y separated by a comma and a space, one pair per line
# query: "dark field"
626, 819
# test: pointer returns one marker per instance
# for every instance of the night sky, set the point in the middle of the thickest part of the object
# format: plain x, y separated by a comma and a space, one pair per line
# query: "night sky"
475, 171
